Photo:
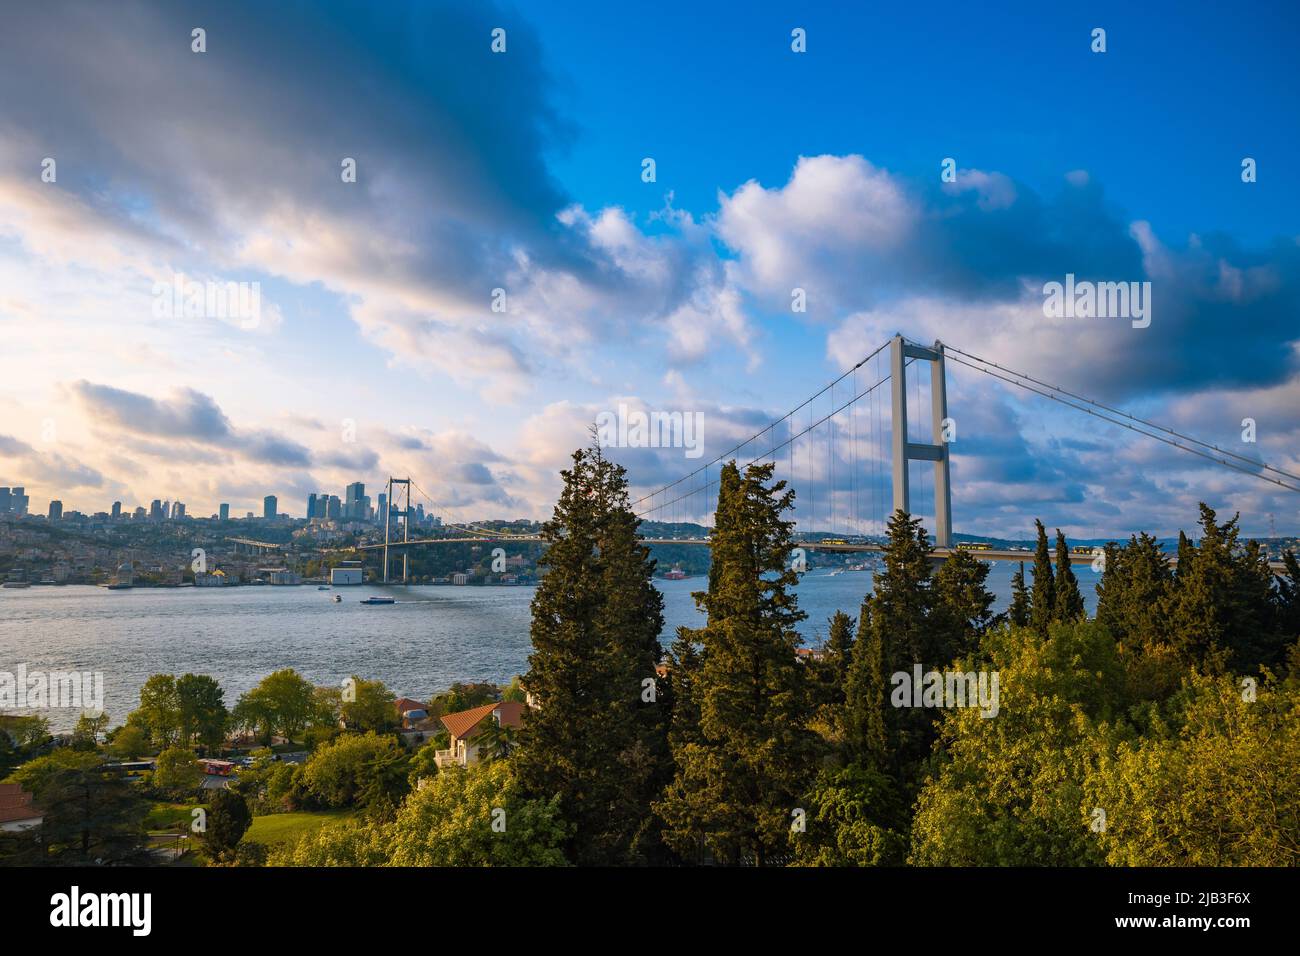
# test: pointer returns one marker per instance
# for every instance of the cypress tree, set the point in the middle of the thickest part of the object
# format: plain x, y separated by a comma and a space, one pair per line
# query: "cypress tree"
1018, 613
598, 737
1069, 602
838, 655
1043, 601
962, 605
738, 780
895, 632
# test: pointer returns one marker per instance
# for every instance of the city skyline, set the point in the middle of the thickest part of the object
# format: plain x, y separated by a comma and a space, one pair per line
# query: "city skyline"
377, 348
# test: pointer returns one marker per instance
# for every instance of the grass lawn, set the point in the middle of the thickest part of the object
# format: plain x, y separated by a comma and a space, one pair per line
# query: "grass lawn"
276, 828
169, 816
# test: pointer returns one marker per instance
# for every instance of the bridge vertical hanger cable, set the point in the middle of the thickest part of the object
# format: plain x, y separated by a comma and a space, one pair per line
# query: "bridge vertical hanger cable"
1091, 411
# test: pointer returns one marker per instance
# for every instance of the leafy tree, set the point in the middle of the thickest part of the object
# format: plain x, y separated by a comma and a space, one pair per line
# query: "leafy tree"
736, 786
1042, 609
283, 703
127, 742
598, 739
1009, 790
1018, 613
372, 706
364, 770
476, 816
855, 818
494, 741
228, 819
159, 713
177, 772
1214, 783
1069, 602
201, 711
85, 735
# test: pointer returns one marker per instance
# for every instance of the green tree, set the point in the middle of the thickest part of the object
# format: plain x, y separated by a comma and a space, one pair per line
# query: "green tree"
896, 632
201, 711
363, 770
228, 819
1069, 602
961, 604
127, 742
598, 739
476, 816
177, 772
1215, 782
283, 703
1042, 605
85, 735
855, 817
1018, 613
91, 814
1008, 790
159, 713
369, 705
737, 785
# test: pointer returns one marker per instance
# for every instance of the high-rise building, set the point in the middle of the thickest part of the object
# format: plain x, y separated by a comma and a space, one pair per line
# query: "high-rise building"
18, 502
334, 508
268, 506
4, 501
117, 510
352, 497
311, 506
224, 512
178, 510
138, 514
56, 510
382, 510
155, 510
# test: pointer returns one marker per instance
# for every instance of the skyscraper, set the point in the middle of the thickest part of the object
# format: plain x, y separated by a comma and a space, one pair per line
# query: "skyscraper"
4, 501
311, 506
178, 510
268, 506
352, 498
224, 512
333, 509
155, 510
382, 510
117, 510
56, 510
18, 502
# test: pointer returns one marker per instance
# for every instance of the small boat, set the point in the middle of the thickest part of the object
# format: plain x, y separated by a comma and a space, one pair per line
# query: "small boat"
338, 599
323, 587
379, 600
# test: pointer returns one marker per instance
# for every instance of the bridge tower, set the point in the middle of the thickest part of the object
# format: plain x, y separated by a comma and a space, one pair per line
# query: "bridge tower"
903, 450
404, 513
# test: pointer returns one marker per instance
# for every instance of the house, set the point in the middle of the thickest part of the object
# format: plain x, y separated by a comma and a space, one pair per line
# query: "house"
410, 709
17, 812
464, 726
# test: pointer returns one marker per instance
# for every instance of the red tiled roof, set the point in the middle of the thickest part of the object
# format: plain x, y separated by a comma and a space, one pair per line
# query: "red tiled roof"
462, 722
16, 804
404, 704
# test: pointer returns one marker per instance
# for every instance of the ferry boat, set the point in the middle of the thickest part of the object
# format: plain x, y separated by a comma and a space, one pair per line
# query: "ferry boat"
322, 587
379, 600
676, 574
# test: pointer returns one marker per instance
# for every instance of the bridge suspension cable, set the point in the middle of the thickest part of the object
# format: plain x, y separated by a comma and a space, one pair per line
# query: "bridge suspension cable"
758, 434
1106, 412
790, 439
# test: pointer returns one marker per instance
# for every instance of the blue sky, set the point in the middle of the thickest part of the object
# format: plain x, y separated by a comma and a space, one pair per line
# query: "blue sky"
522, 171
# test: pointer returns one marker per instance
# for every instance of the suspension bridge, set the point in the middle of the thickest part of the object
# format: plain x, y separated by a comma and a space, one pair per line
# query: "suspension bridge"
855, 451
